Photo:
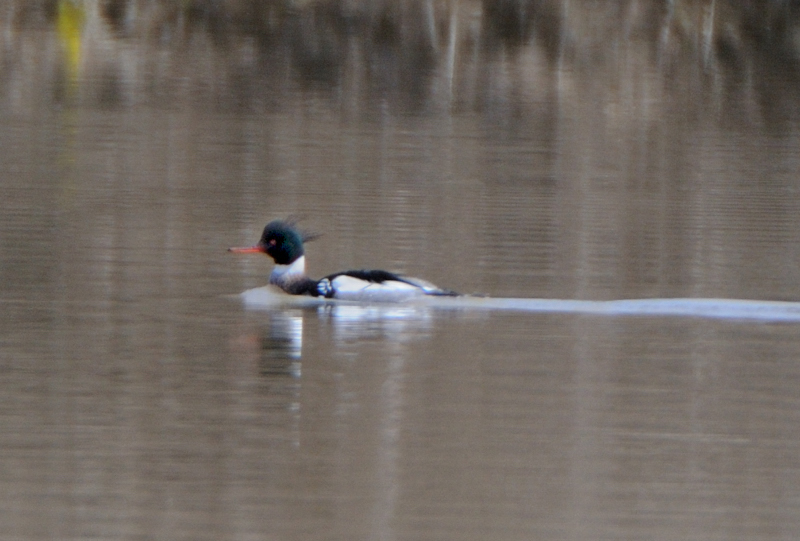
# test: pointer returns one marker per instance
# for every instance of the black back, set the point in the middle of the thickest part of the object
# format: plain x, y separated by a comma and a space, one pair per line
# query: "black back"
374, 276
380, 276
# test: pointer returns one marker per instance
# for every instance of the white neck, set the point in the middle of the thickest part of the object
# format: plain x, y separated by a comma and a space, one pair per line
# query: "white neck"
283, 273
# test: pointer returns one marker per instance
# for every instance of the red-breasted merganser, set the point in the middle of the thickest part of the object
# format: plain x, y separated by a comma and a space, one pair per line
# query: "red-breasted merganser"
283, 242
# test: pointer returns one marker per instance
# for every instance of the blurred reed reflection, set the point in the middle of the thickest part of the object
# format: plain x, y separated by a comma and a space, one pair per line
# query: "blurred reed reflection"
422, 56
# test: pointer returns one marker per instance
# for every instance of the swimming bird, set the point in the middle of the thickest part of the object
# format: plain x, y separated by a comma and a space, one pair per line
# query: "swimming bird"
284, 243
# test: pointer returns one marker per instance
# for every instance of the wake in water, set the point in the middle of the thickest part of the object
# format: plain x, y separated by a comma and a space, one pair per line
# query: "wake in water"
769, 311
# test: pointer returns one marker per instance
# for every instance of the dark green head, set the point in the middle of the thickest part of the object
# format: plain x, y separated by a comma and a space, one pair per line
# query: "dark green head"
283, 242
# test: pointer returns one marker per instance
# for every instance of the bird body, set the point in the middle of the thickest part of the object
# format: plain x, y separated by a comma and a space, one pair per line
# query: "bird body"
284, 243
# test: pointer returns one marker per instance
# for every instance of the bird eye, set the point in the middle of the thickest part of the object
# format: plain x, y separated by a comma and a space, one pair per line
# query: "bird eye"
273, 242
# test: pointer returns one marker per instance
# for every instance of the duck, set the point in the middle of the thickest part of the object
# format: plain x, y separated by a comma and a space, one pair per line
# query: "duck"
284, 242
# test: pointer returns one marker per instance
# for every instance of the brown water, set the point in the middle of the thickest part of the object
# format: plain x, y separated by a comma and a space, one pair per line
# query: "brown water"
139, 399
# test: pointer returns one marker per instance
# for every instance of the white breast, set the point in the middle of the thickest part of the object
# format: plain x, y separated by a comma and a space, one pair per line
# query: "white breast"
284, 273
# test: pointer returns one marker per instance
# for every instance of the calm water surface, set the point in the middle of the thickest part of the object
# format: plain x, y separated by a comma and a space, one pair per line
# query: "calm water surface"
139, 399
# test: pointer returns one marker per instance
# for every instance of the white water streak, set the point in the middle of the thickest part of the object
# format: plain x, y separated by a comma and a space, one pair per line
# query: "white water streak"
733, 309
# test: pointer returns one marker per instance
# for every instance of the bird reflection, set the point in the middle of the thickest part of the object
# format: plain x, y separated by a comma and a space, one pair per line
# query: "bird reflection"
391, 322
282, 345
282, 341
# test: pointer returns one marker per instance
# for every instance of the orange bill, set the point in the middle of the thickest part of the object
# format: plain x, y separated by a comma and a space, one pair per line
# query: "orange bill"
257, 249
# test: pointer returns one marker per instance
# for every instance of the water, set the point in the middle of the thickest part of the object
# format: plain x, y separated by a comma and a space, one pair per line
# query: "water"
273, 298
141, 398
